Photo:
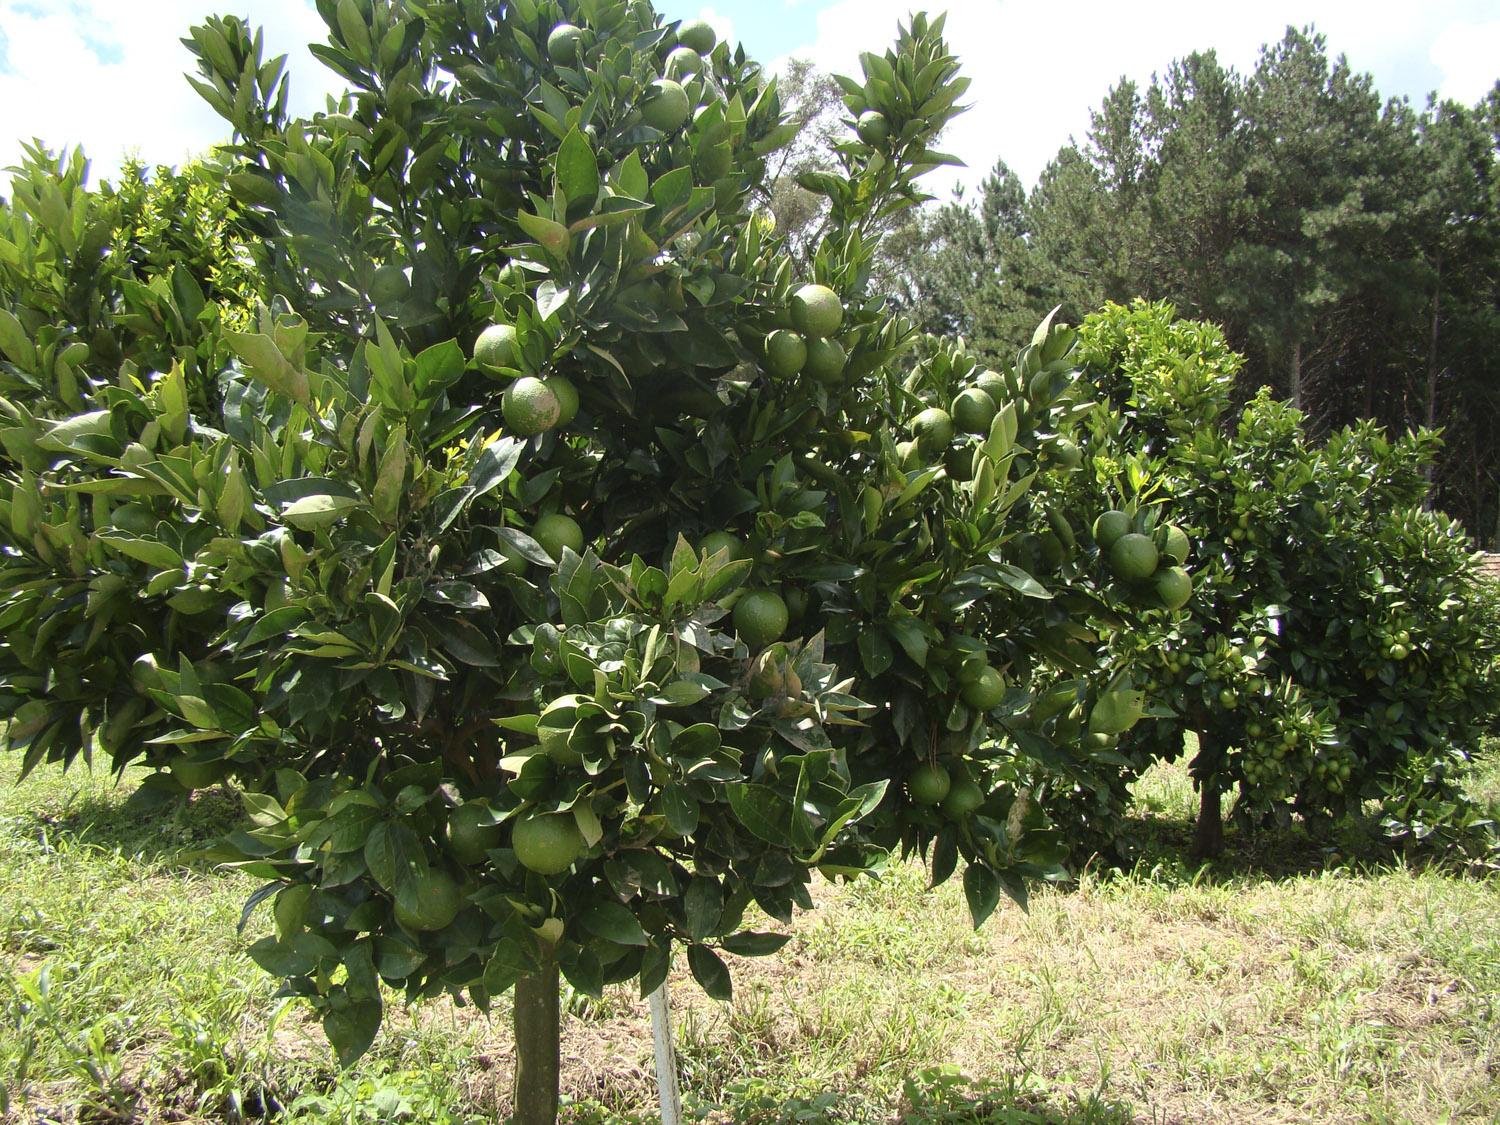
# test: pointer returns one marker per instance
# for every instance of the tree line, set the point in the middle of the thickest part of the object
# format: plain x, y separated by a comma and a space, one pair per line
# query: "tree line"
1349, 244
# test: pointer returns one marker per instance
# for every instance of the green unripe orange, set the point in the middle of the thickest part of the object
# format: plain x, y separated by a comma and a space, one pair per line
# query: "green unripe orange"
716, 541
1110, 527
985, 690
973, 411
515, 562
512, 275
389, 285
1133, 557
563, 44
816, 310
825, 361
959, 461
666, 105
992, 383
547, 843
760, 617
566, 393
471, 832
1174, 587
554, 731
766, 677
433, 906
714, 162
496, 346
698, 35
928, 785
530, 407
933, 430
1052, 550
1065, 452
962, 799
1176, 545
873, 128
786, 353
683, 62
554, 531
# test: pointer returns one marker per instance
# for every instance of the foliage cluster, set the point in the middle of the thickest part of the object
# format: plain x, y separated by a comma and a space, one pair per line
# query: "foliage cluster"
1338, 648
559, 568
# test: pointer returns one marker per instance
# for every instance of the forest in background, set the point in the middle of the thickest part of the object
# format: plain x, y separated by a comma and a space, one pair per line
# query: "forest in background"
1349, 244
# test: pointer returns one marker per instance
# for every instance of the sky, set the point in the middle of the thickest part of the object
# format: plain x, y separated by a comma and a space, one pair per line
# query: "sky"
107, 74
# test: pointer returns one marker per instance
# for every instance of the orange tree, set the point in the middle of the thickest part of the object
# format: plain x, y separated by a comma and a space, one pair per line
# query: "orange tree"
558, 573
1336, 648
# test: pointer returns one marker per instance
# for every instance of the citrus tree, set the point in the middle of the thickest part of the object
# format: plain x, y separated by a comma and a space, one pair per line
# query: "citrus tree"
1056, 753
558, 572
1336, 648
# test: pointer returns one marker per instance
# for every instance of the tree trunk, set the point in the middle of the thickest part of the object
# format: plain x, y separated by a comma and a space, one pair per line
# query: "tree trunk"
1429, 413
1429, 410
1294, 375
537, 1046
1208, 839
1495, 543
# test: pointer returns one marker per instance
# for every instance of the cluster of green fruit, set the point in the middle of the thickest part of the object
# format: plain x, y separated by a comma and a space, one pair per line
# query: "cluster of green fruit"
1239, 524
668, 100
952, 788
547, 843
530, 405
1287, 740
1393, 639
806, 343
933, 430
1135, 554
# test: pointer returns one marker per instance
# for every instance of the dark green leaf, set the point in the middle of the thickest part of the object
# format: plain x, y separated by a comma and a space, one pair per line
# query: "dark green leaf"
614, 922
710, 972
982, 889
751, 944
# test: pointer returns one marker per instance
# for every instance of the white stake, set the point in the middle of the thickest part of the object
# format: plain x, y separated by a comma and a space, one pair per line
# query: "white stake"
666, 1058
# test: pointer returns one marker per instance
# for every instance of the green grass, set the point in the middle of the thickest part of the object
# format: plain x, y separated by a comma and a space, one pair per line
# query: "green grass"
1164, 995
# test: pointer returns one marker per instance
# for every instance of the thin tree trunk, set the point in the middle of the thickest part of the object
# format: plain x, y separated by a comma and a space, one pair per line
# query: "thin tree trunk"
1429, 412
1495, 543
1294, 375
1208, 839
1429, 415
537, 1023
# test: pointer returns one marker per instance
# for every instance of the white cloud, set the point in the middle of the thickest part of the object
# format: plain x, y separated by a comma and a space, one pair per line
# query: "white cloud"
108, 74
1037, 69
1468, 54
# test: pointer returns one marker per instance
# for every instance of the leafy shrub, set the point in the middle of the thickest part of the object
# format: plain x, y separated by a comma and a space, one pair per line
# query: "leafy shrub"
1337, 648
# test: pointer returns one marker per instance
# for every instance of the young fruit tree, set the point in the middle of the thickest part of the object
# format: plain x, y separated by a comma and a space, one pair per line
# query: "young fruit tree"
1337, 648
560, 575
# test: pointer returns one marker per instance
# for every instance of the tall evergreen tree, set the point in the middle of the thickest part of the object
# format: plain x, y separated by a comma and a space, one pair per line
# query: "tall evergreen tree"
1348, 245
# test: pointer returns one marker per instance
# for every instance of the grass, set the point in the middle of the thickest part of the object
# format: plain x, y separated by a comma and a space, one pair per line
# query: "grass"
1164, 995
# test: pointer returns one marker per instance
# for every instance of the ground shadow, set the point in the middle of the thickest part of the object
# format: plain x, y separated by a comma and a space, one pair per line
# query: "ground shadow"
930, 1097
1270, 851
167, 833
